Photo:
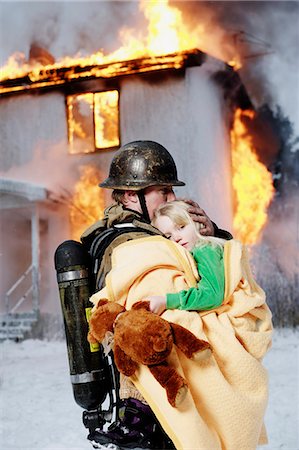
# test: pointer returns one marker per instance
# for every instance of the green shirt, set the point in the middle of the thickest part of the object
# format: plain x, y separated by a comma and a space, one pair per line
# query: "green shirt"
209, 292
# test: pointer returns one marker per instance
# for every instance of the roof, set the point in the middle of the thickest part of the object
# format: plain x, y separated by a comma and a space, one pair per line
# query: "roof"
57, 77
15, 193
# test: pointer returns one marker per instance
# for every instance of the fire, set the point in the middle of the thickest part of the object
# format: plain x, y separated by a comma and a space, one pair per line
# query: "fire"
235, 63
87, 204
81, 122
166, 33
252, 183
106, 119
75, 126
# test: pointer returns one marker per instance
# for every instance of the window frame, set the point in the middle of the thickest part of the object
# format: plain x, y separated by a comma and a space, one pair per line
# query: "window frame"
93, 93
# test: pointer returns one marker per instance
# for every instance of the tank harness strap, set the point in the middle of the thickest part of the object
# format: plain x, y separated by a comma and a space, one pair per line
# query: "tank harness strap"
144, 209
104, 239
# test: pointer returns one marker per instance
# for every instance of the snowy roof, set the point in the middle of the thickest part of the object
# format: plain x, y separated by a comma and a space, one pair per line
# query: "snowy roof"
15, 193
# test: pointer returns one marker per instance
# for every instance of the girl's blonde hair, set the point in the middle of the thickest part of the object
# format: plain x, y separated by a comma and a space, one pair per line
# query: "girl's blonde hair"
177, 211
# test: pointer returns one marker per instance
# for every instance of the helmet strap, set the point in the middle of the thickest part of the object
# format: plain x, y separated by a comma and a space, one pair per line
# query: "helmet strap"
142, 202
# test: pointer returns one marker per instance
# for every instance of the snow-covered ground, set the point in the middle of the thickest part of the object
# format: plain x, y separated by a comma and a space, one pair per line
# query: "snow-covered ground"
38, 412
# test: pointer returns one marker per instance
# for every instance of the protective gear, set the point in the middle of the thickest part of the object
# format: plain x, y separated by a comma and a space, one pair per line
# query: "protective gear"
142, 201
137, 428
89, 371
141, 164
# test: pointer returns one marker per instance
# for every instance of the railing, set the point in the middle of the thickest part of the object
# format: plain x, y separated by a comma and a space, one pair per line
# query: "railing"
8, 294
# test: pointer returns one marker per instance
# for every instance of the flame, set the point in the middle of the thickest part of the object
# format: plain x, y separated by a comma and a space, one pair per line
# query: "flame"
252, 183
235, 63
76, 127
106, 118
87, 204
86, 109
166, 33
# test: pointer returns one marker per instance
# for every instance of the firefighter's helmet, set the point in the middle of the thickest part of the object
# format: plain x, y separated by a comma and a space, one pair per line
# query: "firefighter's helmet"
141, 164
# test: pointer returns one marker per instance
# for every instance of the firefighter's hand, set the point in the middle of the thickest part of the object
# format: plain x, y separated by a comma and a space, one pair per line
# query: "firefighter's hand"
199, 215
157, 303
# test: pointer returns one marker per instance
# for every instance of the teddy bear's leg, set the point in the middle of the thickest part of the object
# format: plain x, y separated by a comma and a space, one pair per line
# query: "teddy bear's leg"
123, 362
189, 344
174, 384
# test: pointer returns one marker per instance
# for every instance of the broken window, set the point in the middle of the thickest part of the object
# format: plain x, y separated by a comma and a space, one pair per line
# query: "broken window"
93, 121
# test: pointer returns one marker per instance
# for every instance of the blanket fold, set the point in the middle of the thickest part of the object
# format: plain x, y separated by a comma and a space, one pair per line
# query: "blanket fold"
227, 396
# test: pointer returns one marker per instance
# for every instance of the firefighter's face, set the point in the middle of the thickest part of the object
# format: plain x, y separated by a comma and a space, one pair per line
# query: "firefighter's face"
156, 196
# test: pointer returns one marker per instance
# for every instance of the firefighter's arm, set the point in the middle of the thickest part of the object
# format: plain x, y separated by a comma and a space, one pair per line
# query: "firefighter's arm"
207, 228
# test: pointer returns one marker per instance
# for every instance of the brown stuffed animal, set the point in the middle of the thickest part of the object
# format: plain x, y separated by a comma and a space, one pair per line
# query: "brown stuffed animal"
141, 337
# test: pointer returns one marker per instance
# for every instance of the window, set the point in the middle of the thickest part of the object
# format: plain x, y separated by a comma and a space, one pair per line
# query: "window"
93, 121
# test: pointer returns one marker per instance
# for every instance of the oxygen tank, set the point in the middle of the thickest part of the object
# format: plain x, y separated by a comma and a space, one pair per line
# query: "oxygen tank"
89, 371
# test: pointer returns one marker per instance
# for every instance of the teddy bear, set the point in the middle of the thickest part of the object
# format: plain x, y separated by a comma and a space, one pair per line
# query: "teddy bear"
142, 337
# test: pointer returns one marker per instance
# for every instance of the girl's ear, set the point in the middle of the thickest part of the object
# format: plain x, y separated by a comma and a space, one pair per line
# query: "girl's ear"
130, 197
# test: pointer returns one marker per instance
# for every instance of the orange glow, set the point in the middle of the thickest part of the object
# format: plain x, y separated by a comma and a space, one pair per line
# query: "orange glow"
89, 113
87, 204
235, 64
252, 183
167, 32
80, 122
106, 119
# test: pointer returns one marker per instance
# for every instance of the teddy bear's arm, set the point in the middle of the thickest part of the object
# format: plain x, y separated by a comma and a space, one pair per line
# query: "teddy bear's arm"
123, 362
187, 342
91, 338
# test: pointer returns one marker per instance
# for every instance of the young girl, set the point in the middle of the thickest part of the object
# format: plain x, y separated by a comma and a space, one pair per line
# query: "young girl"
174, 221
237, 326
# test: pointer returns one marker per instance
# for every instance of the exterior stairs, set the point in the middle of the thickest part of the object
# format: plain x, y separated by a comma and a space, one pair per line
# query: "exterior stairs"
17, 326
23, 294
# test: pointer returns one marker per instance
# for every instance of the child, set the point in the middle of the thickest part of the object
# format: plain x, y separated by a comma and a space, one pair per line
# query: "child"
237, 326
174, 221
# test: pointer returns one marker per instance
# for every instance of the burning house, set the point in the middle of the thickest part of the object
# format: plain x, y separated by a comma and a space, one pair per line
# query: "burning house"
61, 125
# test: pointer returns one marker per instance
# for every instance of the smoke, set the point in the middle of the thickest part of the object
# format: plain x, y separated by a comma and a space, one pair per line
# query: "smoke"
64, 28
46, 155
265, 35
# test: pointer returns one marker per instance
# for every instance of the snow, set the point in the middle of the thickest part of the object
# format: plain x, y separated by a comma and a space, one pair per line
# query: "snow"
38, 411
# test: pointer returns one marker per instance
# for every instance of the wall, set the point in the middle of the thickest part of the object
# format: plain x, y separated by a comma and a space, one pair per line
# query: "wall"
188, 116
184, 112
30, 126
34, 149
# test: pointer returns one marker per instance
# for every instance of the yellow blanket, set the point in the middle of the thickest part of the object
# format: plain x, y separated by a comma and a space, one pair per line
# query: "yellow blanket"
227, 395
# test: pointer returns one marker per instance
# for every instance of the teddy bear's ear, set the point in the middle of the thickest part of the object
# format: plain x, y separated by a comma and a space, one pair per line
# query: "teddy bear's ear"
102, 302
142, 305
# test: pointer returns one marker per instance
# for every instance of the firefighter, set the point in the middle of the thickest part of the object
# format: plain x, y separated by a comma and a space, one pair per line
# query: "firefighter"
142, 176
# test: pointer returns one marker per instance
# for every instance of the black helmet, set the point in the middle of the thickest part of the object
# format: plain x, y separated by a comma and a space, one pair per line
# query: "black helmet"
141, 164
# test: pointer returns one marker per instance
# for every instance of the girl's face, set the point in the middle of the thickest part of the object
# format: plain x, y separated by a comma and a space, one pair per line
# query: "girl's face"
184, 235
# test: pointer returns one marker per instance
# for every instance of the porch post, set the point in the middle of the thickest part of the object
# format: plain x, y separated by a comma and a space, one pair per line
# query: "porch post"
35, 258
